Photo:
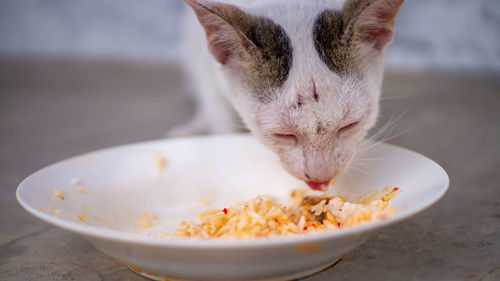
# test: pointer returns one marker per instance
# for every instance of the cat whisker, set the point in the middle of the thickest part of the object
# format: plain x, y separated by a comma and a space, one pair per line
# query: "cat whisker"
363, 160
385, 139
384, 98
383, 134
355, 168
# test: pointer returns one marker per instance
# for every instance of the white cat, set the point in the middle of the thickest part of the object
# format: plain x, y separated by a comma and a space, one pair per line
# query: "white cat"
303, 75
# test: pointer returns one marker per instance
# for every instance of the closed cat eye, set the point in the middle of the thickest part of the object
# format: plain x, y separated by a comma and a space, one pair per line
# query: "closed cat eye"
286, 137
348, 127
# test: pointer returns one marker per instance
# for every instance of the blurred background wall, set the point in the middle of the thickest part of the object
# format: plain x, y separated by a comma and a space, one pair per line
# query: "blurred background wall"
455, 35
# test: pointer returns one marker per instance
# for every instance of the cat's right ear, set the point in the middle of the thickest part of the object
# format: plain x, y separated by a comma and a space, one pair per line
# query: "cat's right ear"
373, 20
223, 24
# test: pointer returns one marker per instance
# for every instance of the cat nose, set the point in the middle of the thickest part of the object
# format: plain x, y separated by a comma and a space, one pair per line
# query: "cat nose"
319, 175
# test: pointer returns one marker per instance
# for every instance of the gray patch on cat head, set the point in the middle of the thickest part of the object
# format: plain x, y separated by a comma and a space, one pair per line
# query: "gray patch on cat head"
333, 35
268, 58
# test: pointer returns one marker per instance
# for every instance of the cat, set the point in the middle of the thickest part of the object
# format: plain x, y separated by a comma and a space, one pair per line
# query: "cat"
304, 76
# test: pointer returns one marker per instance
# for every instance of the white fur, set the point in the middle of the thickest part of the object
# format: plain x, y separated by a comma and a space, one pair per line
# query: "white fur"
341, 100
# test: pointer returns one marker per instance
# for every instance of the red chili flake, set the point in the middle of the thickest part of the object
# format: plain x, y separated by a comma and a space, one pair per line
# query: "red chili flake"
225, 211
305, 227
338, 224
276, 219
395, 188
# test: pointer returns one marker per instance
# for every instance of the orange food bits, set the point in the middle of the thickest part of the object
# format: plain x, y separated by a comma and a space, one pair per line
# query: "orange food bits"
58, 193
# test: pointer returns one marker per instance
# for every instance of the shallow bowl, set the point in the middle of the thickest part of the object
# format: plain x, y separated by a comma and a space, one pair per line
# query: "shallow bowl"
104, 196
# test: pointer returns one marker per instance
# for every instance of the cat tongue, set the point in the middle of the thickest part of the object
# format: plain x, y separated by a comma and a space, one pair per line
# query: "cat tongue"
321, 186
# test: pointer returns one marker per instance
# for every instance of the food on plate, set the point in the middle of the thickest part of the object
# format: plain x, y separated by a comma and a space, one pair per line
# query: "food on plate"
160, 161
205, 202
147, 220
58, 193
263, 217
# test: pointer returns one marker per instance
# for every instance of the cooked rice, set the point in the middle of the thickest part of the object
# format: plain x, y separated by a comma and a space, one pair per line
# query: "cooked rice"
262, 217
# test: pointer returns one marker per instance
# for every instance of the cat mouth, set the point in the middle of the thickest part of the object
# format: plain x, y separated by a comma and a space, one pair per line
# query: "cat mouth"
320, 186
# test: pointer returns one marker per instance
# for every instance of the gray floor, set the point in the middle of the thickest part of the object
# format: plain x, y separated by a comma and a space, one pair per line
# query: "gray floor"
53, 110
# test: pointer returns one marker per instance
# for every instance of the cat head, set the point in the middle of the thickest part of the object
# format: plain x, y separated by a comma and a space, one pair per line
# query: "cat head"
305, 76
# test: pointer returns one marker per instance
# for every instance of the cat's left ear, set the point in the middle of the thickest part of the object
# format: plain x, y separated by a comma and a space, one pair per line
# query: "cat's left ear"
375, 22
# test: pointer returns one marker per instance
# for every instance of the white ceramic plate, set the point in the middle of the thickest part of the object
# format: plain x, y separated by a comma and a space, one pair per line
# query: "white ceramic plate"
122, 183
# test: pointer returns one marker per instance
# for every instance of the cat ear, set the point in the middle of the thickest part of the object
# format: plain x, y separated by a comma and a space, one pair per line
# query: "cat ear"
374, 22
223, 24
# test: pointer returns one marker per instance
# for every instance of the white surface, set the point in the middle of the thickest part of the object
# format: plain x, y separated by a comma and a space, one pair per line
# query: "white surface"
122, 183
